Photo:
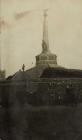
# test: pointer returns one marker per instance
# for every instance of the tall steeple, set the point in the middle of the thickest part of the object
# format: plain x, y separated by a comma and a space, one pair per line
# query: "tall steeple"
45, 41
46, 58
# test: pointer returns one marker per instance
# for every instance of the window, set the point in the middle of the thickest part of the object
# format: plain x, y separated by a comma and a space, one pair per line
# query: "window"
43, 57
51, 57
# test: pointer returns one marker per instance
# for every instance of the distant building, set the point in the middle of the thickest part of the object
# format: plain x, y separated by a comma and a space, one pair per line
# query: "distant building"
46, 83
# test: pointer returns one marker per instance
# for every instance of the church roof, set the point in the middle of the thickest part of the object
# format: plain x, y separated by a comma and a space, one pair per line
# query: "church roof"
32, 73
60, 72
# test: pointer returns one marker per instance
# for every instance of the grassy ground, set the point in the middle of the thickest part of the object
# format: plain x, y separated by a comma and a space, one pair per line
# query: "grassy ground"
59, 123
42, 123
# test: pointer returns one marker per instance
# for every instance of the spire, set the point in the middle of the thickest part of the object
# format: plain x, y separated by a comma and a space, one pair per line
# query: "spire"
45, 42
46, 58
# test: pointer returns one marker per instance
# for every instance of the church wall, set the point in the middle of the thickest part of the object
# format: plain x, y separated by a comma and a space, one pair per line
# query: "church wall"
51, 89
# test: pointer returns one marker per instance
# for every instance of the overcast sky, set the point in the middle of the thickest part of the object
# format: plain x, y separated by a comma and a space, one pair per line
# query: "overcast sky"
21, 32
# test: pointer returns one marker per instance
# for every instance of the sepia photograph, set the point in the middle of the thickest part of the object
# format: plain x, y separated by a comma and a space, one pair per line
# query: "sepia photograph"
40, 69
